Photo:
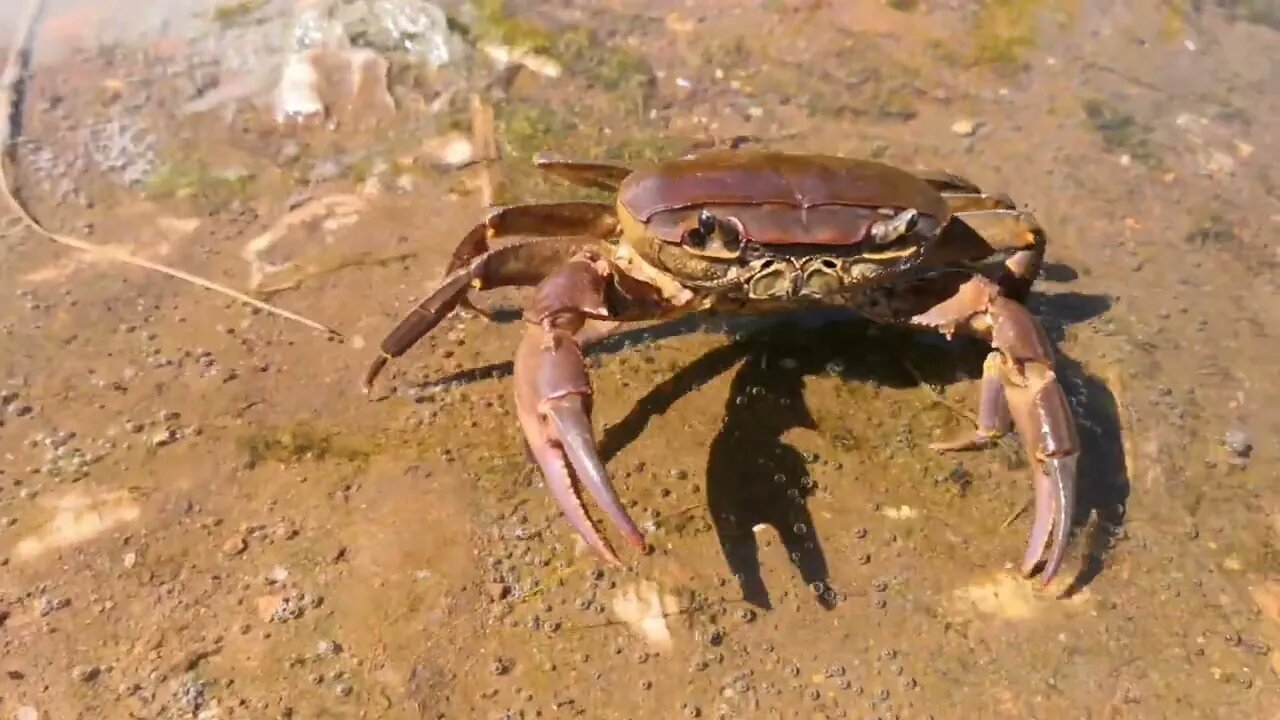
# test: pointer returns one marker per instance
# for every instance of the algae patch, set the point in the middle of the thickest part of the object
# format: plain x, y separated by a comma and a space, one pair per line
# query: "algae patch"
530, 128
611, 67
232, 12
301, 443
1121, 131
1003, 32
195, 180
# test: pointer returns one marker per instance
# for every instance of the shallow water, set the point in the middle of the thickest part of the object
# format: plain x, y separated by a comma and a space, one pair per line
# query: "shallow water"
201, 515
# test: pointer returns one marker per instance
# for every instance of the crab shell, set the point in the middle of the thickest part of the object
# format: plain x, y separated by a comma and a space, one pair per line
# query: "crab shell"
814, 223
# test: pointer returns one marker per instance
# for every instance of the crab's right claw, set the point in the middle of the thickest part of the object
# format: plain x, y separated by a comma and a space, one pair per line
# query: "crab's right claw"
553, 403
1042, 416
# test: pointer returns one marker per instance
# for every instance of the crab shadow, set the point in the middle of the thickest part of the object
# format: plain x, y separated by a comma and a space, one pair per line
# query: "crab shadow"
755, 478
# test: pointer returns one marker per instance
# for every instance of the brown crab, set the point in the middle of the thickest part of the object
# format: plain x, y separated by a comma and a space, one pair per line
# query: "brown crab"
755, 231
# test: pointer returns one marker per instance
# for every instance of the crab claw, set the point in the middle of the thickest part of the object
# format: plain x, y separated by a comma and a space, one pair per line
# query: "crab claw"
1054, 498
1019, 384
553, 404
1043, 419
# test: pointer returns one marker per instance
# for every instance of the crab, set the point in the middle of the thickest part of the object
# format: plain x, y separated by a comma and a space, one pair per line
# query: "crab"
757, 231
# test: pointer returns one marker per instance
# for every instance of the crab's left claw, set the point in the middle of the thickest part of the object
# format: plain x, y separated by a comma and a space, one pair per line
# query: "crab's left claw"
553, 402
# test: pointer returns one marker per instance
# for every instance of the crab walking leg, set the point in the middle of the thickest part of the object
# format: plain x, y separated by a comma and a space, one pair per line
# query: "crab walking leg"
589, 174
1009, 229
520, 264
553, 395
1036, 402
990, 223
993, 410
540, 220
537, 220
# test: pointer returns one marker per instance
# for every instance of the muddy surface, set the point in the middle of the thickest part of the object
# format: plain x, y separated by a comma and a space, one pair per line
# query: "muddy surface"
202, 516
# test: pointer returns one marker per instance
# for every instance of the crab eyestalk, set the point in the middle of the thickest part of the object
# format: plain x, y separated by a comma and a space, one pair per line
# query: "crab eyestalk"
886, 232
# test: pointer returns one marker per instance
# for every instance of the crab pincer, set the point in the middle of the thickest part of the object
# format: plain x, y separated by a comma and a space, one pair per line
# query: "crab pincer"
554, 401
1019, 387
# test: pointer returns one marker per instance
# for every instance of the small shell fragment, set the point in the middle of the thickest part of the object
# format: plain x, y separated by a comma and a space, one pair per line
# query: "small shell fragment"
504, 55
452, 150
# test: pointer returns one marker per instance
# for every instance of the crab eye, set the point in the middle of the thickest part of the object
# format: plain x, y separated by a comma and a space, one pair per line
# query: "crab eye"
707, 222
890, 230
732, 233
695, 238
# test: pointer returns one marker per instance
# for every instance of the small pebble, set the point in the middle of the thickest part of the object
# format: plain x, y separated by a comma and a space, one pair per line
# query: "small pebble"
234, 545
966, 127
1237, 442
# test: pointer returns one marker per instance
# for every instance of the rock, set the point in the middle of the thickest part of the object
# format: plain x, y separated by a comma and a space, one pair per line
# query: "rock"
452, 150
267, 606
1236, 440
164, 437
290, 151
966, 127
327, 169
405, 184
26, 712
497, 591
234, 545
86, 673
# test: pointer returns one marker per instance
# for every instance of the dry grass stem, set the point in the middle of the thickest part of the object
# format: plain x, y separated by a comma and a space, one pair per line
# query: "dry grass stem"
9, 110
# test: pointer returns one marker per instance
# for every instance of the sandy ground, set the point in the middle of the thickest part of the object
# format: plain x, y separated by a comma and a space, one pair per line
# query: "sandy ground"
202, 516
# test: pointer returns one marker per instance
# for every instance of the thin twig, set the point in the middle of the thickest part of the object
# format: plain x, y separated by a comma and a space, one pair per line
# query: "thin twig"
1015, 514
9, 109
938, 395
484, 140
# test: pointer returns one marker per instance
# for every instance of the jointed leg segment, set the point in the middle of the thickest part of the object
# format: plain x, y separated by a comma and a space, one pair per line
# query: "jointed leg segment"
552, 234
989, 223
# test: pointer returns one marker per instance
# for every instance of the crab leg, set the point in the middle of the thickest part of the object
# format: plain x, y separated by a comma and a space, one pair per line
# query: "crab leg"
990, 223
1009, 229
553, 395
595, 175
520, 264
993, 410
558, 230
1024, 365
536, 220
